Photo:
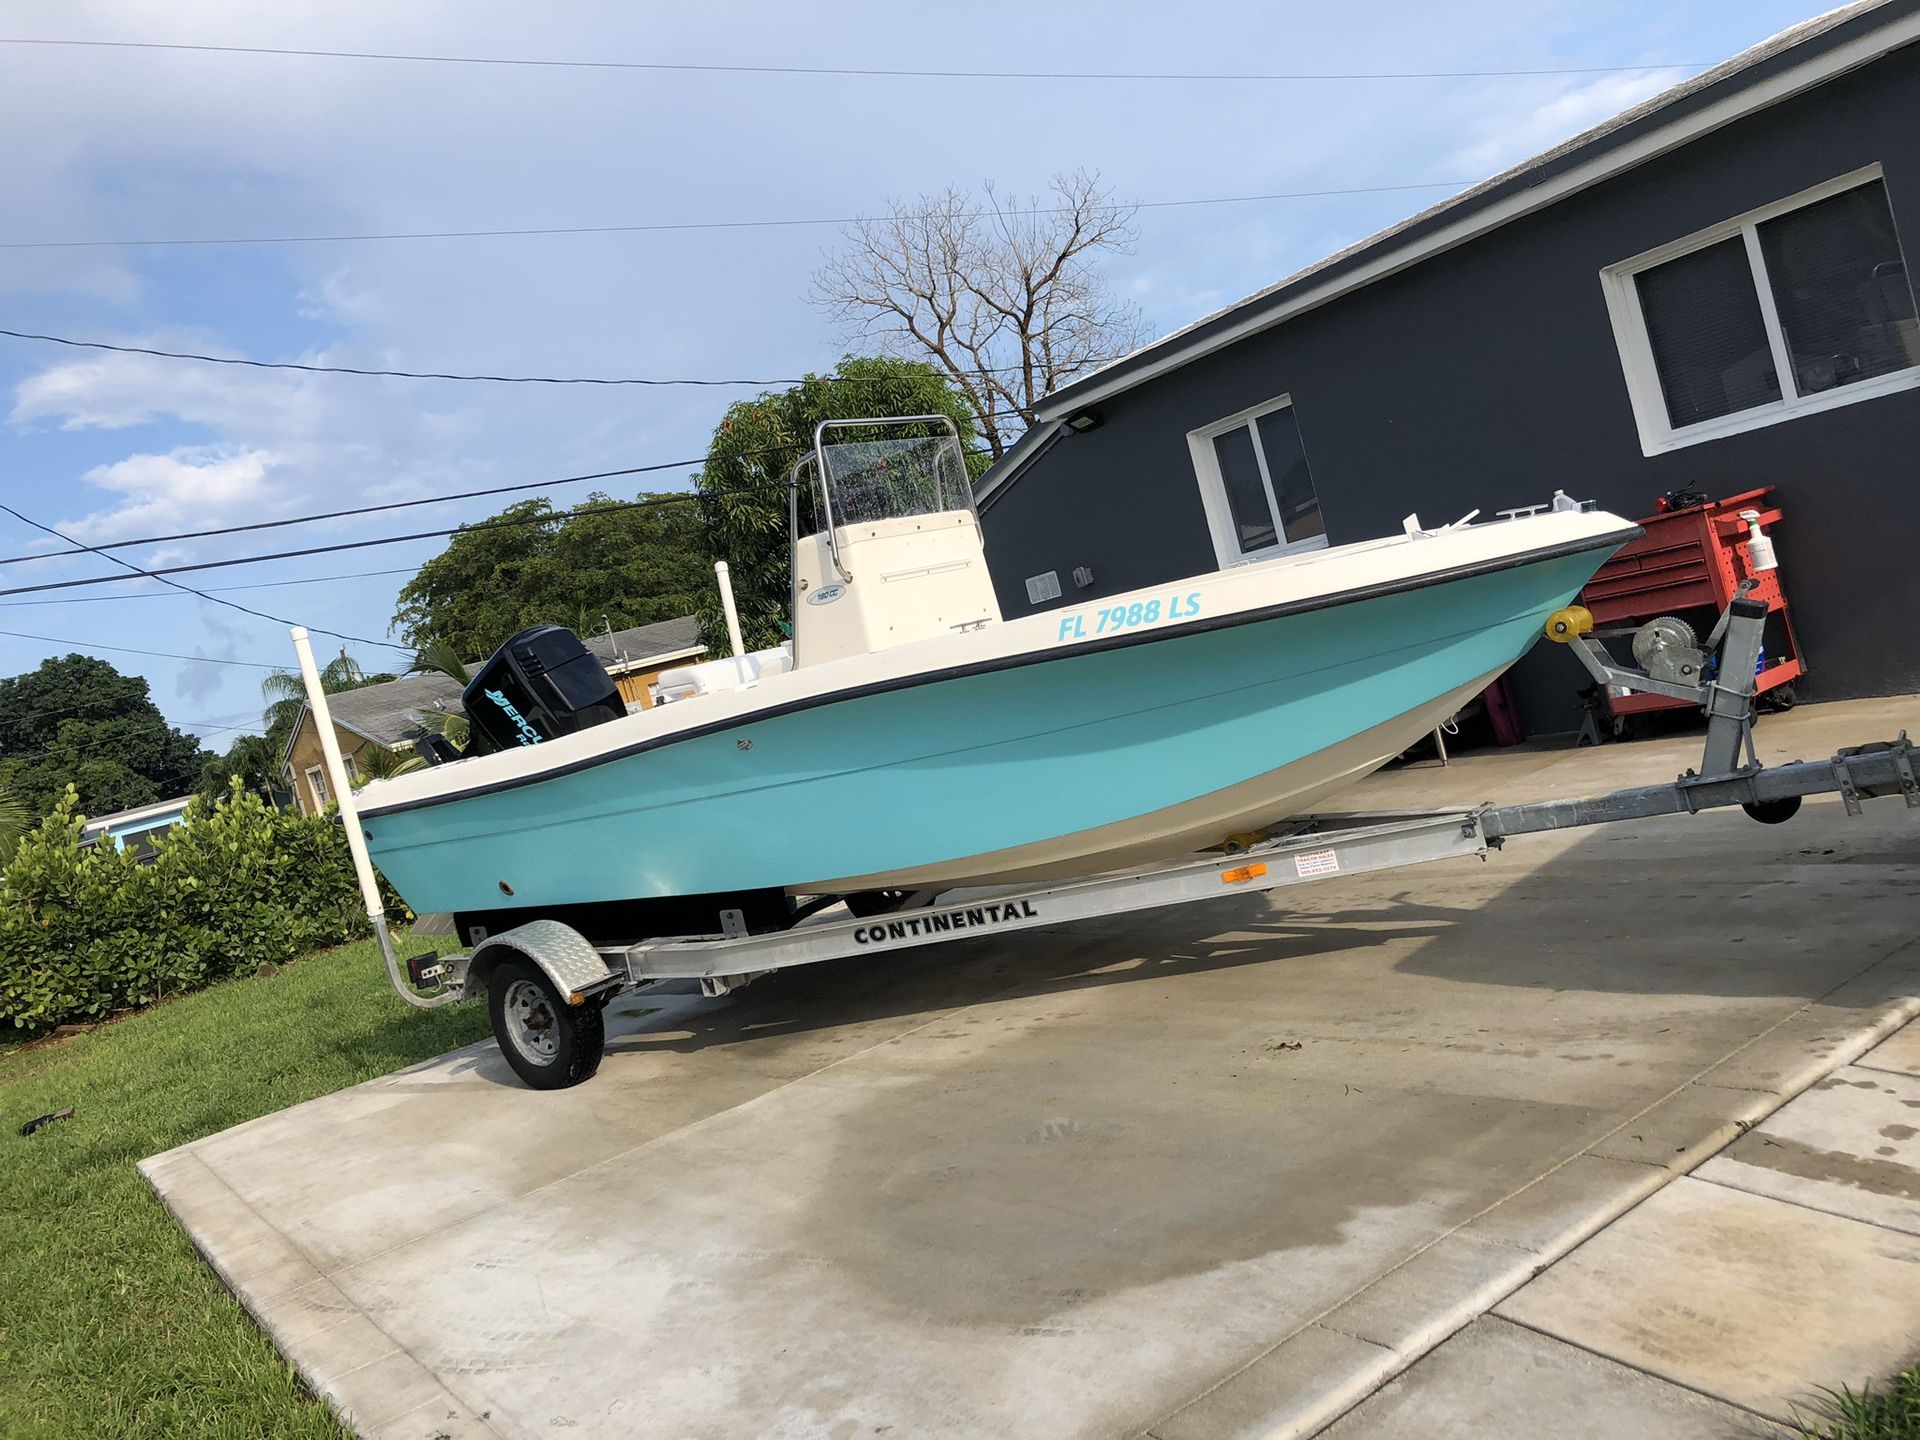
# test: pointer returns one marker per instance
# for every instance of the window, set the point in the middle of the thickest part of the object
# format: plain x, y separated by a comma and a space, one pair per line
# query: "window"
1255, 485
1795, 308
317, 783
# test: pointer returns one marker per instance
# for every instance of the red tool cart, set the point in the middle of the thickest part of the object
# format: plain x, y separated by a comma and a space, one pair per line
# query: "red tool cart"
1687, 565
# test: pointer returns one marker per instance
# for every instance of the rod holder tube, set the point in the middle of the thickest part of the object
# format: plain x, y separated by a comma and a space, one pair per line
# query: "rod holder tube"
724, 578
342, 787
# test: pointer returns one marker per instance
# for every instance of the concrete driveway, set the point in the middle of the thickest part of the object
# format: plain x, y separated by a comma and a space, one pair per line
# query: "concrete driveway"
1213, 1171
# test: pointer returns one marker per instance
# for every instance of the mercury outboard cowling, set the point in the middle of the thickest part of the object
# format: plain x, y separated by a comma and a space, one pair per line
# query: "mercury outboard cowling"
541, 684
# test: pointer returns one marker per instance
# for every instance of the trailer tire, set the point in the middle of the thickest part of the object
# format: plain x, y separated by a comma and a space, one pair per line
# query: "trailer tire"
1773, 812
549, 1043
868, 903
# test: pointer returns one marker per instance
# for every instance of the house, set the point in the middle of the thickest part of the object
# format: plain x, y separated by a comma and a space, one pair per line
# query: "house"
386, 716
138, 828
1710, 291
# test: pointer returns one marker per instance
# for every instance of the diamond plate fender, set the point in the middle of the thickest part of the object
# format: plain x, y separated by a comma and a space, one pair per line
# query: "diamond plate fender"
569, 960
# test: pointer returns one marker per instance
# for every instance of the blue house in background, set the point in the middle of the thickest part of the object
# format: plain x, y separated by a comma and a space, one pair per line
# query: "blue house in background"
138, 828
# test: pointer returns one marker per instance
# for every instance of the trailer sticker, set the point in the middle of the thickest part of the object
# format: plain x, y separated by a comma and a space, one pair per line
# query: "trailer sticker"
1309, 863
971, 917
1111, 619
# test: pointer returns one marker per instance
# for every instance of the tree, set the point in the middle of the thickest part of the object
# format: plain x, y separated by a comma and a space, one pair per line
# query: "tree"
437, 657
743, 485
254, 759
534, 565
286, 694
1004, 296
14, 820
77, 720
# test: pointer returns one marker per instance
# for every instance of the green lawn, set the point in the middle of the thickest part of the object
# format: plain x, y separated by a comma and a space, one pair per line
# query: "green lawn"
110, 1324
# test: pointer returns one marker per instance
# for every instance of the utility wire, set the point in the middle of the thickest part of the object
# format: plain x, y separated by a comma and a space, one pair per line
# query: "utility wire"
157, 575
611, 505
130, 650
853, 71
491, 379
673, 225
214, 589
161, 573
374, 510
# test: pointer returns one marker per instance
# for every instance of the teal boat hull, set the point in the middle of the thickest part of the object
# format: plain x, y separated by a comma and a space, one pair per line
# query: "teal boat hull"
1057, 762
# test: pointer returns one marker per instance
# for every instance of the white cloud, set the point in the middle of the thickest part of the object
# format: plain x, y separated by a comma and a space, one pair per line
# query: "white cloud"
179, 490
255, 443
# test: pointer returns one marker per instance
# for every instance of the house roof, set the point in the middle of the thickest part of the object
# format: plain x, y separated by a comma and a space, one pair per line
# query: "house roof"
1776, 69
384, 713
120, 819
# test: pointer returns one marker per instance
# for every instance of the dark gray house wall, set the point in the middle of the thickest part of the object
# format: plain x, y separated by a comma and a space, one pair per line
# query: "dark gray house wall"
1488, 376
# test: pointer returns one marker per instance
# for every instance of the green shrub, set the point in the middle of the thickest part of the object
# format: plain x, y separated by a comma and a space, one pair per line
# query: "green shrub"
88, 932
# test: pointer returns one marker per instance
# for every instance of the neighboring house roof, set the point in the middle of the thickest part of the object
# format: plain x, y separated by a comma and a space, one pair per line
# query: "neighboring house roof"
384, 713
139, 816
1776, 69
640, 647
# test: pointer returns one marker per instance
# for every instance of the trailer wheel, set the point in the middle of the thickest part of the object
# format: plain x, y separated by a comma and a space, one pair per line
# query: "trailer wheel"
868, 903
1774, 812
549, 1043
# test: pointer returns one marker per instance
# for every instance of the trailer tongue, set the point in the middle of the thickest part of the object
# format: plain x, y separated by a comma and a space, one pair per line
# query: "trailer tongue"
547, 984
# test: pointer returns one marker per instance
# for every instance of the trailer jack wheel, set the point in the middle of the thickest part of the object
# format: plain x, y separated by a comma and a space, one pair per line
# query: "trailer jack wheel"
1774, 812
549, 1043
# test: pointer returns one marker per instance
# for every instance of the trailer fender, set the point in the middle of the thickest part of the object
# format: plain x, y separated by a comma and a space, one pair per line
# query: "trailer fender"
567, 957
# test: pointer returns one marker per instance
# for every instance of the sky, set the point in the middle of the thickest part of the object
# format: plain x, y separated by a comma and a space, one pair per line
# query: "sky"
112, 145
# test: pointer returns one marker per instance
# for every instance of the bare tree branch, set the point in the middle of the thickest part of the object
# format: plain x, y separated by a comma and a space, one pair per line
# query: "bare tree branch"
1006, 297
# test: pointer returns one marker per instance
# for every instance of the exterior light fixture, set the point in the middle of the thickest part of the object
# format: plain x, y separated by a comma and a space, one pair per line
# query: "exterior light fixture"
1083, 421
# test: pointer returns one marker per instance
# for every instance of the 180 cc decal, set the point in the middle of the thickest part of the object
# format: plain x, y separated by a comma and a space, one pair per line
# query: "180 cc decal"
1113, 618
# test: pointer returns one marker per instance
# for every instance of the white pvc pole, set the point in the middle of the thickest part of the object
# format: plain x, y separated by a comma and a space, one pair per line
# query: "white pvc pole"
337, 773
721, 574
349, 816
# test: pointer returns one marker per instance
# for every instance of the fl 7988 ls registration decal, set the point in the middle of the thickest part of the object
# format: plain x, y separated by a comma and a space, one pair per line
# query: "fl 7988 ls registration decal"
1111, 619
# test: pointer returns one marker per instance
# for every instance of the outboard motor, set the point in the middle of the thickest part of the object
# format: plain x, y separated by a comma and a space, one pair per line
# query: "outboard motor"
541, 684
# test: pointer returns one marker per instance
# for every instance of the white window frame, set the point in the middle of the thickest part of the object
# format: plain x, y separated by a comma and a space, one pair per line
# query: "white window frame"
1657, 432
317, 787
1213, 489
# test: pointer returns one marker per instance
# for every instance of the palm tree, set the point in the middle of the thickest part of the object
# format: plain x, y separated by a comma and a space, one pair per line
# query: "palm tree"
15, 819
285, 692
377, 762
437, 657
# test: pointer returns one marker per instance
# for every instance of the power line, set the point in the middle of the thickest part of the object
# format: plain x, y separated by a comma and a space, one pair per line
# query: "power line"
491, 379
663, 227
857, 71
161, 573
130, 650
396, 374
372, 510
586, 509
215, 589
156, 575
207, 727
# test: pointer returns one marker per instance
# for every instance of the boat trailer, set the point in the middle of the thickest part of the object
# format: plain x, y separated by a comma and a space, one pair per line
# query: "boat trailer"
548, 985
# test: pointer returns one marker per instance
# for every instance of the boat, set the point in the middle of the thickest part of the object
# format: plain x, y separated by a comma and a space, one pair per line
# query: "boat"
909, 738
